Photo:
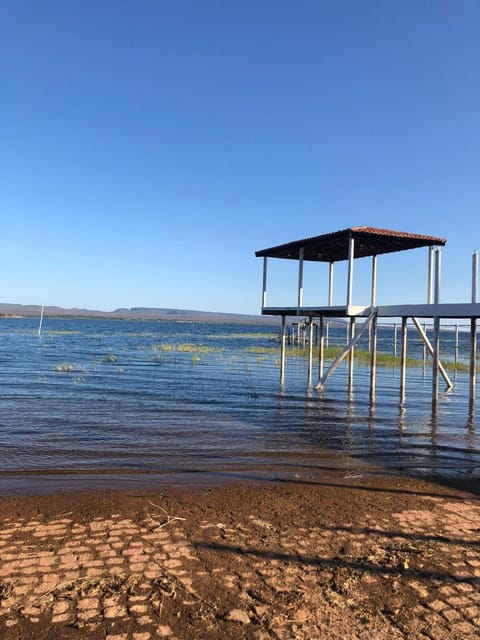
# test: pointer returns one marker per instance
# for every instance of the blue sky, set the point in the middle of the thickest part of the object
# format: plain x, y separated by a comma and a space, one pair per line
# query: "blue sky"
149, 147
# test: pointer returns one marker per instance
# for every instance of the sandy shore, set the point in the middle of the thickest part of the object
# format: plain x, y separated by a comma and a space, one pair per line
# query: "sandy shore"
360, 556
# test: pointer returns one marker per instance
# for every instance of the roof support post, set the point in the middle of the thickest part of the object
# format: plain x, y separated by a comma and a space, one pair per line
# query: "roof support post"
264, 287
351, 250
300, 277
373, 297
430, 275
330, 284
438, 269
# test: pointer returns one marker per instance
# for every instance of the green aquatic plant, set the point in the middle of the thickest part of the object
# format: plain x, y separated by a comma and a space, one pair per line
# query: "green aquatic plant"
246, 335
361, 356
260, 350
187, 347
61, 332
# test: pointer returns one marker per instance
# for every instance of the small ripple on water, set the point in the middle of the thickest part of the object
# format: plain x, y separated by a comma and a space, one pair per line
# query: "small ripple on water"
89, 395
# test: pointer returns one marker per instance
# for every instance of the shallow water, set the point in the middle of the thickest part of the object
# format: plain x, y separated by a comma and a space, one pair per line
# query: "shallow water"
154, 397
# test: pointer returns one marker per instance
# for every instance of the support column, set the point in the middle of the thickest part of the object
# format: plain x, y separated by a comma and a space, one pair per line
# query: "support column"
373, 358
330, 284
310, 350
300, 278
436, 330
435, 358
403, 360
282, 351
456, 346
473, 332
351, 252
351, 355
373, 302
430, 276
373, 296
424, 352
473, 359
321, 343
474, 276
264, 288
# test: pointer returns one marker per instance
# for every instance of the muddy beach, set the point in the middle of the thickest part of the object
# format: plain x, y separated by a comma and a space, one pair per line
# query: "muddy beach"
344, 556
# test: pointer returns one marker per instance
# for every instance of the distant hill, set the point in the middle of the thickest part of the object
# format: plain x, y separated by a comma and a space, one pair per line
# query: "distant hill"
136, 313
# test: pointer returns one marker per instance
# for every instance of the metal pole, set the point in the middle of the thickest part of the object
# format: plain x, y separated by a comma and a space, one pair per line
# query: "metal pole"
282, 351
373, 296
456, 345
264, 289
330, 284
430, 275
321, 350
424, 347
436, 329
473, 359
403, 359
473, 331
436, 358
474, 276
310, 350
351, 252
300, 277
394, 339
352, 352
438, 269
373, 358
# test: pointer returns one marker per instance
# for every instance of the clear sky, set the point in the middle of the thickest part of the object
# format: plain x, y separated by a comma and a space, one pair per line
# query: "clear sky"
148, 148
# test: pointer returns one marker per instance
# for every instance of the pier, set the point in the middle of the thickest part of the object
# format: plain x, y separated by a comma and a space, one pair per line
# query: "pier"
369, 242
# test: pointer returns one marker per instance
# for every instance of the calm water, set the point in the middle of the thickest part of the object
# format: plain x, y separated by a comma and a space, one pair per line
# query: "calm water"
157, 396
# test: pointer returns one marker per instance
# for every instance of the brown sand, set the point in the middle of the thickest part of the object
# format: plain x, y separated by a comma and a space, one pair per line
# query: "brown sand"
342, 557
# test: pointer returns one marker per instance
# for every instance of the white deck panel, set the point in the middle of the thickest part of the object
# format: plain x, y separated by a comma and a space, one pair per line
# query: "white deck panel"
442, 310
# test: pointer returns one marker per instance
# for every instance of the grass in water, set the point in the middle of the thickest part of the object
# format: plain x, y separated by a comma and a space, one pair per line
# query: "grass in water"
187, 347
61, 332
362, 356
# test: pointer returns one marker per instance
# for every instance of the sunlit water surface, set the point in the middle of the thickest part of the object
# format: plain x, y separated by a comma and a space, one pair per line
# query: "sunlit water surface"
113, 396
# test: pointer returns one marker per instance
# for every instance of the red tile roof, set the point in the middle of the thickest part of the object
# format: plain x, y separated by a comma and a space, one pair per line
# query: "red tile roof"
369, 241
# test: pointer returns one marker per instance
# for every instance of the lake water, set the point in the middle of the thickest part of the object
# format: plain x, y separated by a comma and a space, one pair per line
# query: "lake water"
114, 396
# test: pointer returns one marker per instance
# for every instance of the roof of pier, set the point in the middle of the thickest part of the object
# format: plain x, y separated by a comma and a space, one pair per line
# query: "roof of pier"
332, 247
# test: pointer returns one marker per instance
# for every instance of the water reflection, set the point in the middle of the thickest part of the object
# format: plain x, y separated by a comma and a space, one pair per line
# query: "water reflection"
156, 396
